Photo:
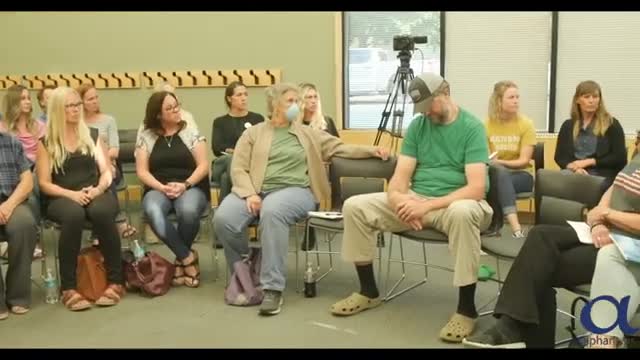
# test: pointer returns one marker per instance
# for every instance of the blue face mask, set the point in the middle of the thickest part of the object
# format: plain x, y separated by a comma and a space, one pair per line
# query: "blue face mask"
292, 112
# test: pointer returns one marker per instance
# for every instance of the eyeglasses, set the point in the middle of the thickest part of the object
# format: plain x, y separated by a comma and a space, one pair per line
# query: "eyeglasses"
75, 105
176, 107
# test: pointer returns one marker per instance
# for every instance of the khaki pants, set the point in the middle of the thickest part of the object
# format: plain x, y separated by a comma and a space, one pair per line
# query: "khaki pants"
462, 222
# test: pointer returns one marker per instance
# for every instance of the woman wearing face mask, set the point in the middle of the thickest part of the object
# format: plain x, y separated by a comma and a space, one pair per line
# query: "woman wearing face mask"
278, 176
311, 110
591, 142
227, 130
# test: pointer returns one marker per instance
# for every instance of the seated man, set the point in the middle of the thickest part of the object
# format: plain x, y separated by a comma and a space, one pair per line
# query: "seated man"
440, 182
17, 226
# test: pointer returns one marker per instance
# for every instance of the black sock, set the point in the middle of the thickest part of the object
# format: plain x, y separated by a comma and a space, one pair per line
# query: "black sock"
368, 286
466, 301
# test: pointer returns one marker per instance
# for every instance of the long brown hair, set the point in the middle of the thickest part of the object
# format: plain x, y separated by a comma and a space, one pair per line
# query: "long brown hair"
602, 119
12, 111
153, 113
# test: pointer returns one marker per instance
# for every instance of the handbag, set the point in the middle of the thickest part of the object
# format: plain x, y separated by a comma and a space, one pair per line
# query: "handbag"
244, 286
151, 275
91, 275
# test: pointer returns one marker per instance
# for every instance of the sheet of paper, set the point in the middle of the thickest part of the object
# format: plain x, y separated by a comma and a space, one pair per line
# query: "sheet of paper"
583, 230
330, 215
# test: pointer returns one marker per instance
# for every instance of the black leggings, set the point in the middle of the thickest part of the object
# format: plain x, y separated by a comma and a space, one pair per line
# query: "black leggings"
71, 216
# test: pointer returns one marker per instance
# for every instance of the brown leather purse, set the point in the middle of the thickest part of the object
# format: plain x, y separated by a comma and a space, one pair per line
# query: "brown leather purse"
91, 275
151, 275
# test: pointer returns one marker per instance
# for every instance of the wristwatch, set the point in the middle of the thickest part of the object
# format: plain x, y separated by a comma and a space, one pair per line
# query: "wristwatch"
187, 185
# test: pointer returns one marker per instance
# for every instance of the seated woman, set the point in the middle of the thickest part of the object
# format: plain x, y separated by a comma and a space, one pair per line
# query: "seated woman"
311, 110
227, 129
553, 256
108, 131
512, 138
171, 162
613, 275
591, 142
312, 116
74, 176
20, 123
278, 176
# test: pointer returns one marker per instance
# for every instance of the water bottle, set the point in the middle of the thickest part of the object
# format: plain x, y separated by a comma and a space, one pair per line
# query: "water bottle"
138, 251
51, 288
309, 282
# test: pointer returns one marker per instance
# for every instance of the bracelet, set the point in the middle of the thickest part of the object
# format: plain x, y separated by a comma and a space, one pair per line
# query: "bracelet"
595, 224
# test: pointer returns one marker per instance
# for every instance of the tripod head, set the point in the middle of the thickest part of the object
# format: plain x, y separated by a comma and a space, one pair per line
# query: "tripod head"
405, 59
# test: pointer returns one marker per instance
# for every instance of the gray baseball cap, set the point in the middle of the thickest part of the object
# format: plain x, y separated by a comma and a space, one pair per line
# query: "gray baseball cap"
422, 88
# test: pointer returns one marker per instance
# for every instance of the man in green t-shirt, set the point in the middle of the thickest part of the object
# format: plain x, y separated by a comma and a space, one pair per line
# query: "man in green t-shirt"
440, 182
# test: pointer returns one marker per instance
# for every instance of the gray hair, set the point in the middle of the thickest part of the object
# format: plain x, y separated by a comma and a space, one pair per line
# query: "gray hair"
275, 92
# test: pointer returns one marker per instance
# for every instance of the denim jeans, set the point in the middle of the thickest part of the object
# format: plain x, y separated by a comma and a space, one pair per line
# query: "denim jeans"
511, 183
280, 209
188, 209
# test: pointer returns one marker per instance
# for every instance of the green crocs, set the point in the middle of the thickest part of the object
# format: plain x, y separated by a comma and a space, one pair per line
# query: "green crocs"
485, 272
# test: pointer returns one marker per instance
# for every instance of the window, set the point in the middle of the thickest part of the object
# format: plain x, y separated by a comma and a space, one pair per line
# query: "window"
371, 63
606, 51
484, 48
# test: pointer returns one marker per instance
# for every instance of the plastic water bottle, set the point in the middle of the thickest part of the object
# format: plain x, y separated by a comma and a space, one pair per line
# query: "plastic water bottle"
51, 288
138, 250
309, 282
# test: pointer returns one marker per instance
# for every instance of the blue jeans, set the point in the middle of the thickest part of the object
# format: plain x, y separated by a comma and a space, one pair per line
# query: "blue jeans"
188, 209
280, 209
511, 183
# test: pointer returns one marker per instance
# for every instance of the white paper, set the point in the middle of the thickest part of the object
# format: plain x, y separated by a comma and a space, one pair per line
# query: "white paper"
583, 230
330, 215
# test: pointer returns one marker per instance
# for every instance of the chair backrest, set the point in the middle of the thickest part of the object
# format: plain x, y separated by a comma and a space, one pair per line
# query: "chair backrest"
127, 145
352, 186
538, 156
360, 168
572, 188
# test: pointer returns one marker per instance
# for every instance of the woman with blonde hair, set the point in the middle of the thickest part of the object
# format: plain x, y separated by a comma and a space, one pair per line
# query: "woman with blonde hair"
512, 138
278, 177
592, 141
311, 110
74, 176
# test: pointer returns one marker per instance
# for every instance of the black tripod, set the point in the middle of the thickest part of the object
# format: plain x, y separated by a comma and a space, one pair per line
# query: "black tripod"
401, 82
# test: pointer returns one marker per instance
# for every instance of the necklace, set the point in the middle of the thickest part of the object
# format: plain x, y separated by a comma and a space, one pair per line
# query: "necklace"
168, 141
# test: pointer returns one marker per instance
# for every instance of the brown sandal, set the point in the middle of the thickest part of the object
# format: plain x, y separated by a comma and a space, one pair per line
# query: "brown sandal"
193, 280
178, 275
111, 295
74, 301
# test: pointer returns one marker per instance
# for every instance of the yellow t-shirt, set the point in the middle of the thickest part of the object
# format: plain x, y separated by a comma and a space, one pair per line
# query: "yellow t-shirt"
509, 139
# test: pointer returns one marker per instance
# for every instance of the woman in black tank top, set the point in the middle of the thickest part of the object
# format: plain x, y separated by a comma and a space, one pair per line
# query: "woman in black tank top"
73, 174
171, 162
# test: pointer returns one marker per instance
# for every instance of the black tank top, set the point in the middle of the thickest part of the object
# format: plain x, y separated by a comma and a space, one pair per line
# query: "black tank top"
78, 170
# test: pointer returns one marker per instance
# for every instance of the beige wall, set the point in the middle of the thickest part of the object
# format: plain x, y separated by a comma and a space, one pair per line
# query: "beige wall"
302, 44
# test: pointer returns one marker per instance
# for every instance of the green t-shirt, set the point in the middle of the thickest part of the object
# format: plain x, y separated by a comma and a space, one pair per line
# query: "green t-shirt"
287, 162
442, 151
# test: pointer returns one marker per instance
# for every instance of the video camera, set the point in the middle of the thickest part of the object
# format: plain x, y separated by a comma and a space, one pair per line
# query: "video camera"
407, 42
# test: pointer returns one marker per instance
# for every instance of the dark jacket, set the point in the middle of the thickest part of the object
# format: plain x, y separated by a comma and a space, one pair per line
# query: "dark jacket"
611, 150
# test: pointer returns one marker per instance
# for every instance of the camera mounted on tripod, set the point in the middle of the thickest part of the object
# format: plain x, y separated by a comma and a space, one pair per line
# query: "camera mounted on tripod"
407, 42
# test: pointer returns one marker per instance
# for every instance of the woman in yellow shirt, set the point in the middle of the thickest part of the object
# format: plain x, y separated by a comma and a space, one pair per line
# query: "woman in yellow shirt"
512, 138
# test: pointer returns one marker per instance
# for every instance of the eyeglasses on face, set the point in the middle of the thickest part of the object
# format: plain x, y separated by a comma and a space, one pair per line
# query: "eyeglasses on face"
74, 105
173, 108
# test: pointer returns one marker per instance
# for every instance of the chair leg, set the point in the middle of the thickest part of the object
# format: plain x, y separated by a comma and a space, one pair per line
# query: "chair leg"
390, 295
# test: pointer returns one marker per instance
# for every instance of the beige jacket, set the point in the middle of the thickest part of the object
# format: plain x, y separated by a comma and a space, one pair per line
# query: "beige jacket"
251, 156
